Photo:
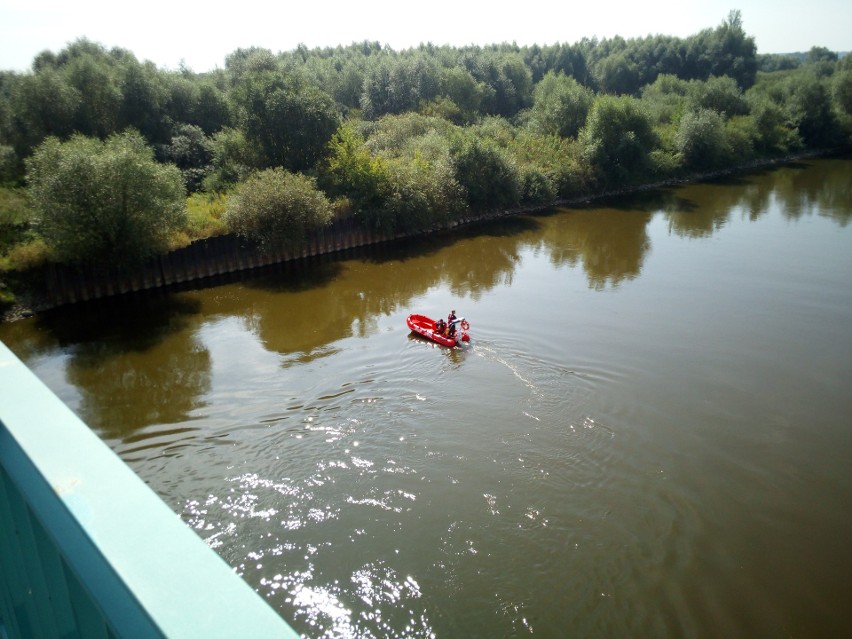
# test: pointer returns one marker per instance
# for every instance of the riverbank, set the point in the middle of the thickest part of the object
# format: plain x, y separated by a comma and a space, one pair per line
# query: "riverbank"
216, 256
698, 177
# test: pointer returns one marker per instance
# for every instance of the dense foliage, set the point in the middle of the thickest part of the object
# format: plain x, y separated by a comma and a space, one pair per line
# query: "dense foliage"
107, 202
400, 140
617, 140
275, 208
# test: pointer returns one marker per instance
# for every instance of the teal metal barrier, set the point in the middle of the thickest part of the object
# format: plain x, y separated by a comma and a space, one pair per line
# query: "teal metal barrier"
88, 550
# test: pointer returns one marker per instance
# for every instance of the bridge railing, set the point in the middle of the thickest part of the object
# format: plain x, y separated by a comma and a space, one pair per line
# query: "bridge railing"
88, 550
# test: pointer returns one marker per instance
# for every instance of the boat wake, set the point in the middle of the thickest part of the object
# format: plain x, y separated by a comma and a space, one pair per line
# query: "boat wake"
484, 350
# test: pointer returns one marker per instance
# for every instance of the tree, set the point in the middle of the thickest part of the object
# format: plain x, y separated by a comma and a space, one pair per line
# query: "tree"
233, 159
420, 195
734, 53
567, 59
513, 85
560, 106
211, 111
489, 178
392, 134
701, 139
719, 93
142, 97
808, 104
769, 120
770, 62
104, 202
192, 152
842, 90
100, 94
617, 75
243, 62
44, 104
351, 171
536, 187
395, 85
842, 99
617, 139
289, 120
8, 164
820, 54
276, 208
665, 97
545, 165
725, 50
508, 77
465, 91
340, 74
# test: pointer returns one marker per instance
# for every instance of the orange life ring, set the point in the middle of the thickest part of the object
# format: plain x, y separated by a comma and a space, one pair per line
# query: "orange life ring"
465, 324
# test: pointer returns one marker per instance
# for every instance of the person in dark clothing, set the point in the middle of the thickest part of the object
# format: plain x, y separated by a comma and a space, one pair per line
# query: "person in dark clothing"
451, 318
440, 327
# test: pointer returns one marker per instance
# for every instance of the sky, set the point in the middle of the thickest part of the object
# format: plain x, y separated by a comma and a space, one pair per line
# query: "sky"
175, 33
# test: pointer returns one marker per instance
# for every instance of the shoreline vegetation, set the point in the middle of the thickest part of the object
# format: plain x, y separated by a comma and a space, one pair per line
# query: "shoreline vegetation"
109, 165
36, 302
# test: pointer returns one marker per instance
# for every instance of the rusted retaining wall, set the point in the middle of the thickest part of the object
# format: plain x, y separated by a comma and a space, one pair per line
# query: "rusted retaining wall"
202, 259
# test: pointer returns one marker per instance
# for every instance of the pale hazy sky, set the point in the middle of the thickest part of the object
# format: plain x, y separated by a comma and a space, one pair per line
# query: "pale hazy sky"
201, 34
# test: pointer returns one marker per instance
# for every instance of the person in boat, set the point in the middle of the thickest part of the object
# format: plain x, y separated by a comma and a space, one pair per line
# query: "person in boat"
440, 326
451, 326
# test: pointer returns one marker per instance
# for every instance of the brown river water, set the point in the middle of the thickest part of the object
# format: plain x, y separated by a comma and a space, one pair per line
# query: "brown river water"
649, 434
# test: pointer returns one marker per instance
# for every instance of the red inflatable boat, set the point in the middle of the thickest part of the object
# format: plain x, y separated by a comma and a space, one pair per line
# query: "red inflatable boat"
425, 326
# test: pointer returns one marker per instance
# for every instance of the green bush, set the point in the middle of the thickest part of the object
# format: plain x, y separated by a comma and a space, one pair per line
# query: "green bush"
701, 139
420, 196
536, 187
105, 202
276, 208
487, 174
617, 140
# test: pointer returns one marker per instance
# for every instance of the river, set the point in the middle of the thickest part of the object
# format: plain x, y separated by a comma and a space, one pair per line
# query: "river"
649, 434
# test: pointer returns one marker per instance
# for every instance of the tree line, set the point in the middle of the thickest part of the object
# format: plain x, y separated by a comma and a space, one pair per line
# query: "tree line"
99, 151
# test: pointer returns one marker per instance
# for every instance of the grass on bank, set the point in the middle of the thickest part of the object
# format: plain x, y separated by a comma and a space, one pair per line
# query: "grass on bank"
21, 247
18, 247
205, 215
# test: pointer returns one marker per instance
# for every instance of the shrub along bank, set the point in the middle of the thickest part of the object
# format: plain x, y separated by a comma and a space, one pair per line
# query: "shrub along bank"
274, 147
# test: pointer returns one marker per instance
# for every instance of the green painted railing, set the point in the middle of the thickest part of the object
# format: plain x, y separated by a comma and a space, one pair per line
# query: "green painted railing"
88, 550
